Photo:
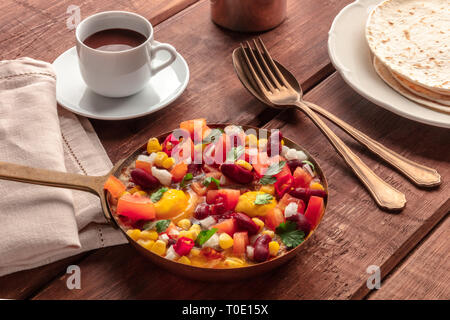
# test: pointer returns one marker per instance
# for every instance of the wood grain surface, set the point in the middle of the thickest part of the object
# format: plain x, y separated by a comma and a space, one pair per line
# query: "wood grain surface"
354, 233
425, 274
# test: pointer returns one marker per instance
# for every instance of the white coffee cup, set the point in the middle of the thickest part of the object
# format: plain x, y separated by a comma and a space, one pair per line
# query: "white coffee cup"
119, 73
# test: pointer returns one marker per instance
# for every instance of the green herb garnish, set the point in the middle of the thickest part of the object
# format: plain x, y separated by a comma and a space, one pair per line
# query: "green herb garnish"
149, 225
264, 198
156, 196
187, 177
289, 234
212, 136
204, 236
208, 181
235, 153
162, 225
273, 170
310, 163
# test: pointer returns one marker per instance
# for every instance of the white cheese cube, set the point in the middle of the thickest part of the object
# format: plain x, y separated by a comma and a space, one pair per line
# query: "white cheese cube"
212, 242
290, 210
162, 175
207, 222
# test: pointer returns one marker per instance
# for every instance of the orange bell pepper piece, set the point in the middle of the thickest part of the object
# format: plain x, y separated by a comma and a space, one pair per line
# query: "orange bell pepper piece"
179, 171
136, 207
114, 186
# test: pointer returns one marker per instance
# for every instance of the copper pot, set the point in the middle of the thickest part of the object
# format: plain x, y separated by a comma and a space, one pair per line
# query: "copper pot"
248, 15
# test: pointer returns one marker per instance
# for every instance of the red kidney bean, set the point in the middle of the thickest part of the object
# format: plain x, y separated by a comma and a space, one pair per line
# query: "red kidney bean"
261, 246
294, 164
302, 223
305, 194
194, 168
274, 145
236, 173
245, 223
202, 211
144, 179
218, 208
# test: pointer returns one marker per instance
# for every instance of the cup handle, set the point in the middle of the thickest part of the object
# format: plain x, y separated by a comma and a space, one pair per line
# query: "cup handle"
166, 47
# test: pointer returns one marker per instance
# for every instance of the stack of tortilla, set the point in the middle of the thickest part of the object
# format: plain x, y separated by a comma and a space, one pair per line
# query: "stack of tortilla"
410, 42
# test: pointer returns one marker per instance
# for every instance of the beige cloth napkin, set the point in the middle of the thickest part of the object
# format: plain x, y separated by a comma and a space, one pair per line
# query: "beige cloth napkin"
38, 224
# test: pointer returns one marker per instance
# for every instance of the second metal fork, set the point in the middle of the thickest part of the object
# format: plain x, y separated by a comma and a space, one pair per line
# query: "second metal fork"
278, 91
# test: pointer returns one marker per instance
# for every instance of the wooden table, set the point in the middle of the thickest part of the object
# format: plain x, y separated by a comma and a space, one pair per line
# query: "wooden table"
411, 248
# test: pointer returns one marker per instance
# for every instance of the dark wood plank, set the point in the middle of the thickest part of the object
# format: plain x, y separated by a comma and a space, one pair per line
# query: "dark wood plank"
353, 235
214, 91
425, 274
37, 28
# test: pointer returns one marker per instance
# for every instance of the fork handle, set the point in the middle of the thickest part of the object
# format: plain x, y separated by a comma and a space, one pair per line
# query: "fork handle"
420, 175
386, 196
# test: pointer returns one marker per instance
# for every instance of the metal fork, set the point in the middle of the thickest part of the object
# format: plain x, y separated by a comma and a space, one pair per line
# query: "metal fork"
278, 91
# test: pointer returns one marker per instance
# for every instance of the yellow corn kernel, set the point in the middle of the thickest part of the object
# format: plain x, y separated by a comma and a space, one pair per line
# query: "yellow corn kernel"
233, 262
141, 193
262, 143
149, 235
153, 145
159, 247
270, 233
198, 148
195, 228
134, 189
184, 224
124, 193
316, 186
195, 252
184, 260
259, 223
274, 247
134, 233
282, 142
244, 164
147, 244
168, 163
268, 188
251, 140
188, 234
160, 158
225, 241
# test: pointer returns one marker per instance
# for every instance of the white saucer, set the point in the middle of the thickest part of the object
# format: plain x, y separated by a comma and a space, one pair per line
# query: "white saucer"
350, 55
162, 89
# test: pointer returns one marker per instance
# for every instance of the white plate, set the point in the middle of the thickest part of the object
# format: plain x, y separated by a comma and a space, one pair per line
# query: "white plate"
350, 55
162, 89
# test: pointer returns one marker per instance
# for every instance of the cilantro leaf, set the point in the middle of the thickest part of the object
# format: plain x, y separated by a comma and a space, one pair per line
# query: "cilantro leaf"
156, 196
212, 136
289, 234
204, 236
273, 169
264, 198
208, 180
162, 225
310, 163
149, 225
187, 177
235, 153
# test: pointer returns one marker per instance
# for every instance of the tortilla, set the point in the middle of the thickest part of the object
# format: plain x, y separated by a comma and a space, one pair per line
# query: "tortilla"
412, 39
387, 77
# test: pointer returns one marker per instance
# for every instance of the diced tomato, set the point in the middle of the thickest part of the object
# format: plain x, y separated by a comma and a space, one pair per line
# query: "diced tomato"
136, 207
284, 184
211, 253
114, 186
240, 242
287, 198
284, 171
301, 178
228, 226
184, 150
198, 188
314, 210
274, 217
190, 125
183, 246
179, 171
144, 165
230, 197
169, 143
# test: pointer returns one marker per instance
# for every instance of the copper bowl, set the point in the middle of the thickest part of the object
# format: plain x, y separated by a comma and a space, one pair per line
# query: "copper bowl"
94, 184
248, 15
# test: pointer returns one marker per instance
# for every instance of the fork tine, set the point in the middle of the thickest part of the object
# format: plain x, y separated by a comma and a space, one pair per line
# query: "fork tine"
261, 86
272, 63
261, 72
271, 75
